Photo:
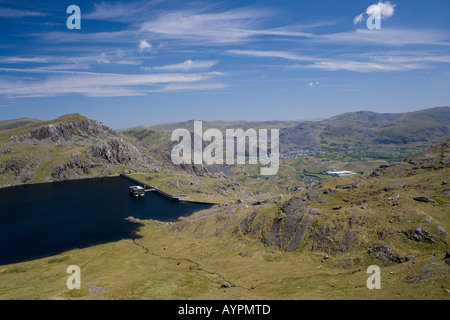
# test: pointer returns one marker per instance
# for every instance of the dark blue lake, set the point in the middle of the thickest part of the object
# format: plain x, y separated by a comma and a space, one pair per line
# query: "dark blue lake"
45, 219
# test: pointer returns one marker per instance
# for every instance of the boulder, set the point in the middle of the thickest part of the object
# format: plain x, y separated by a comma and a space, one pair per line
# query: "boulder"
419, 235
347, 186
441, 231
447, 254
424, 199
384, 253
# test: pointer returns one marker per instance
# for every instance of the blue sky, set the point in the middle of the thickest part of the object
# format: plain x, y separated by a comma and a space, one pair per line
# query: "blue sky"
146, 62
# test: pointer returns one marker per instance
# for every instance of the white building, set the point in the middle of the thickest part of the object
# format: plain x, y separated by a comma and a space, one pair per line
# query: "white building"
340, 173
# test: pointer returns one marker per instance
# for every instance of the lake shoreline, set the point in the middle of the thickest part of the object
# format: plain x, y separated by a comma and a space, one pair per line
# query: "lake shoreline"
40, 219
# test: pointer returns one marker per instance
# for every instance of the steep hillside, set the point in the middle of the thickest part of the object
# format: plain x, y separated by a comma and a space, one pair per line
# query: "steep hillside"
396, 216
69, 147
370, 129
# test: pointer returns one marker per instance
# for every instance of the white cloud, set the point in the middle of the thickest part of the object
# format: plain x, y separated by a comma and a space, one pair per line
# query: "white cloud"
121, 12
99, 84
103, 59
17, 14
190, 87
80, 62
358, 66
384, 9
358, 19
15, 59
390, 36
68, 66
144, 46
185, 66
270, 54
129, 62
196, 26
355, 63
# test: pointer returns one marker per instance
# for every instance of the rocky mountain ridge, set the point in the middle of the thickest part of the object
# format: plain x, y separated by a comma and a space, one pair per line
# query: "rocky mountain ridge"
353, 129
72, 150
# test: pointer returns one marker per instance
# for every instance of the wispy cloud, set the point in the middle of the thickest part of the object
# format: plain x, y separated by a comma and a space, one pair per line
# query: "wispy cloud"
185, 66
191, 87
121, 12
271, 54
229, 26
103, 59
83, 61
359, 18
98, 84
9, 13
389, 37
380, 62
16, 59
360, 66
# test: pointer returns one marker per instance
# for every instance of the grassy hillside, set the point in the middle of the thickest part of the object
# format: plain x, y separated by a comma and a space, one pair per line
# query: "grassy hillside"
357, 222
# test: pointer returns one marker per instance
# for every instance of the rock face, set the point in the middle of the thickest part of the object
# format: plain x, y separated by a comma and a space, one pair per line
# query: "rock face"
436, 158
102, 143
287, 229
384, 254
419, 235
99, 151
22, 168
64, 133
118, 151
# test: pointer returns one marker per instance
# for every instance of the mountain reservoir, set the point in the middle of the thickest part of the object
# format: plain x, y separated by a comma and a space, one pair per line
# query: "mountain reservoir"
44, 219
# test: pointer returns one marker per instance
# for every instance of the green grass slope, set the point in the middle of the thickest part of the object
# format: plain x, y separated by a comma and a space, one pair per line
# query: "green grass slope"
357, 222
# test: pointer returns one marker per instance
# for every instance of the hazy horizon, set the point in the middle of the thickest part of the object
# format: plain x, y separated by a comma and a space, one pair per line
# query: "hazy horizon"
228, 121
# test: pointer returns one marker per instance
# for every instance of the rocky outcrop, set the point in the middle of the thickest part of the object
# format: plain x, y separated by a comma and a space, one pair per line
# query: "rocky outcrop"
117, 151
424, 199
435, 158
20, 168
64, 133
419, 235
384, 254
6, 149
68, 170
102, 143
99, 151
287, 229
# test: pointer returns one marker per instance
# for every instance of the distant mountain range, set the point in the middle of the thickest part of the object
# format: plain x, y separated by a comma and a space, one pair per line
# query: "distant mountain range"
359, 129
73, 146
